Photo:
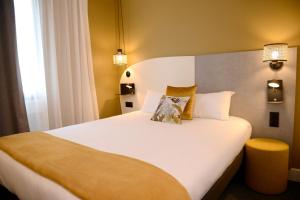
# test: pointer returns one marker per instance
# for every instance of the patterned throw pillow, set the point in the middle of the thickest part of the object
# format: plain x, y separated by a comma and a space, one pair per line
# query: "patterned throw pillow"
170, 109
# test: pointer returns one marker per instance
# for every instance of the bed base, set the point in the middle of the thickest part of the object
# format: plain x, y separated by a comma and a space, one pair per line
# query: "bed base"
218, 188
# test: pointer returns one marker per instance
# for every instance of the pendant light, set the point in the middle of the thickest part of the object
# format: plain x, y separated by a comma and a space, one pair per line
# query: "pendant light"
120, 58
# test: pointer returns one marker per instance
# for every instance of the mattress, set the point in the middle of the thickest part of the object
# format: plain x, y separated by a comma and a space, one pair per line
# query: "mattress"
196, 152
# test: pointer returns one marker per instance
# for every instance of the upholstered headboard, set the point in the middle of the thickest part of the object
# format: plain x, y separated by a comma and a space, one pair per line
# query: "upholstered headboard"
242, 72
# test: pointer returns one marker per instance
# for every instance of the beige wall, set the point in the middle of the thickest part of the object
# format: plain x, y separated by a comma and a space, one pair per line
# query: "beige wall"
296, 145
102, 28
157, 28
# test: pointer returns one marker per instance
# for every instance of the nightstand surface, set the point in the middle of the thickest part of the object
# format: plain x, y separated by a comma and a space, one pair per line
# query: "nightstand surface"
267, 144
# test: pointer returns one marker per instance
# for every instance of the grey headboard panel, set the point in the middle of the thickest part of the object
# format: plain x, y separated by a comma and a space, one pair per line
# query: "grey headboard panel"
247, 75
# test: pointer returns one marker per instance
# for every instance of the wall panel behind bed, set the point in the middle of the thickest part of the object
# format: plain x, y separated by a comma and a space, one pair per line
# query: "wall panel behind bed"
242, 72
247, 75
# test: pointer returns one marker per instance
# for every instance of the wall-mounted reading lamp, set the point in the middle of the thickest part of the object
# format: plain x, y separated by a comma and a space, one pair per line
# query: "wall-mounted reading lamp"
128, 74
127, 88
275, 54
275, 91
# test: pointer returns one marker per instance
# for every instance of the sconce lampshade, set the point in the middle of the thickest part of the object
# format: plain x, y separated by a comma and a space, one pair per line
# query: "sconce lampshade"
119, 58
275, 52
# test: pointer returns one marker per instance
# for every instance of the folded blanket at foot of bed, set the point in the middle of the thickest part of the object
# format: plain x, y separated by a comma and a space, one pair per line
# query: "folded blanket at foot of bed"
89, 173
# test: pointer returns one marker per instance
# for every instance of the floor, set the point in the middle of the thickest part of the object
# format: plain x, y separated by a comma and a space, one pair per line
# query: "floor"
237, 190
6, 195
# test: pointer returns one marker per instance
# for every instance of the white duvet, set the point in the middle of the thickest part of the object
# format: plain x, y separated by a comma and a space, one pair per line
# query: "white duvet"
196, 153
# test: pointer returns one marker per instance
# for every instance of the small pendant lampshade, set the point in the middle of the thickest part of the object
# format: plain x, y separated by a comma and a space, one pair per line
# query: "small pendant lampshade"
120, 58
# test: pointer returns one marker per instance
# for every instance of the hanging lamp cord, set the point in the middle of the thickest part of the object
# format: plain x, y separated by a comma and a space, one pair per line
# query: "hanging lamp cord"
122, 25
118, 23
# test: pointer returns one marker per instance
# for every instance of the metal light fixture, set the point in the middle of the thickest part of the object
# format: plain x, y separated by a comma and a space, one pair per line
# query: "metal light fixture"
275, 91
120, 58
128, 74
276, 54
127, 88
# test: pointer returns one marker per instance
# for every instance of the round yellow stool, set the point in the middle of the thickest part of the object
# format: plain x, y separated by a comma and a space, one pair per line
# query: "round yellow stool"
266, 165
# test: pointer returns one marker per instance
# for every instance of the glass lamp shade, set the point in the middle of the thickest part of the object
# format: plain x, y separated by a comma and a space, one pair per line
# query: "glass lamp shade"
275, 52
119, 58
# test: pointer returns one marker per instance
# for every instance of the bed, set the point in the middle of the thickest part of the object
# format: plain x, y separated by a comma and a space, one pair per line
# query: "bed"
197, 153
201, 154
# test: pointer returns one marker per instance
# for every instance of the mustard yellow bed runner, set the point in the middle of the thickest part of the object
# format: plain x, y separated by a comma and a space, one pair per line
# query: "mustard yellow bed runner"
91, 174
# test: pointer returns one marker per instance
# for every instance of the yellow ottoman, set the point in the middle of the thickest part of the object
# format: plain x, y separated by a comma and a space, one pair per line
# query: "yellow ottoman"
266, 165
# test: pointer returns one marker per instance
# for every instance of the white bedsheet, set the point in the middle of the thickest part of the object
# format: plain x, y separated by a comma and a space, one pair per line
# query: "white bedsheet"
196, 153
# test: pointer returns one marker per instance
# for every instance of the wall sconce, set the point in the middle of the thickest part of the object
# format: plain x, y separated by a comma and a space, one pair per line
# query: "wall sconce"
275, 91
120, 58
276, 54
127, 88
128, 74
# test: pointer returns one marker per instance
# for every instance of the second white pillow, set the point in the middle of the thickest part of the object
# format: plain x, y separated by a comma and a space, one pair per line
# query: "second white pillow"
213, 105
151, 101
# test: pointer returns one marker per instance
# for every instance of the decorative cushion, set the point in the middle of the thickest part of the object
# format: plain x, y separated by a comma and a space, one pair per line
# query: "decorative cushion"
170, 109
184, 92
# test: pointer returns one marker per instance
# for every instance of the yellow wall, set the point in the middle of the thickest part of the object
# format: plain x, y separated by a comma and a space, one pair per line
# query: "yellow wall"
156, 28
191, 27
102, 28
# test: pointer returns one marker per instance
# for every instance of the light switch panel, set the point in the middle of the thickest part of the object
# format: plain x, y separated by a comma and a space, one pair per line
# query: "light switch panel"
274, 119
129, 104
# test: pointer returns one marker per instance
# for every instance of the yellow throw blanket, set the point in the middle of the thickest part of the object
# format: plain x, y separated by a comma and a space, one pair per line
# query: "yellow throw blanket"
91, 174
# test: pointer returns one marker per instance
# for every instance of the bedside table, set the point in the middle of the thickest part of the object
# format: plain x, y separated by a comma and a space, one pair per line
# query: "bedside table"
266, 165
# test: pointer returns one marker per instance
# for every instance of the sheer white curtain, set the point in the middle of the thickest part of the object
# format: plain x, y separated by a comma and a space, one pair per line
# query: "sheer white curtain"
31, 60
61, 29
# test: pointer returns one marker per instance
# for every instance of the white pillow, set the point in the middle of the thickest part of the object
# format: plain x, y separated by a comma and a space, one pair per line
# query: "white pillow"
213, 105
151, 101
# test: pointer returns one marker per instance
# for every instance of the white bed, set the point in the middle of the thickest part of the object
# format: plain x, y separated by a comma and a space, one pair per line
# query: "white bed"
196, 153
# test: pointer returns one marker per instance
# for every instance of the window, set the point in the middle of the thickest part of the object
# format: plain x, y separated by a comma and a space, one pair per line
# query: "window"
31, 62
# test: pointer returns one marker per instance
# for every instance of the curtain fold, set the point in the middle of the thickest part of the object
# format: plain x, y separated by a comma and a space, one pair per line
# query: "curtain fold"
13, 118
67, 53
